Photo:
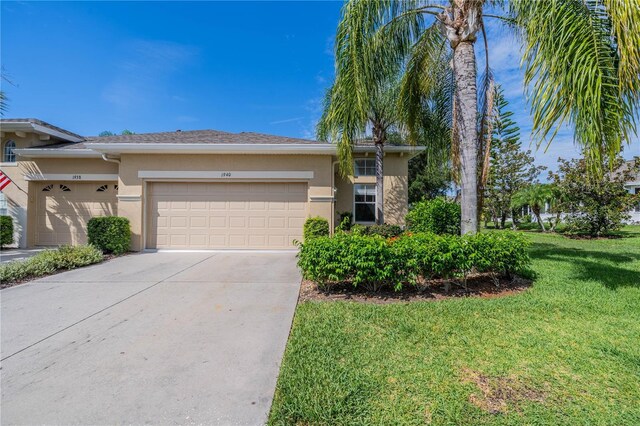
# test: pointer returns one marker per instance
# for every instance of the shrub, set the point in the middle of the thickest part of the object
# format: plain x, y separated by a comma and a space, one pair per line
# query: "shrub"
111, 234
385, 231
362, 260
346, 218
596, 205
438, 216
376, 262
49, 261
6, 230
315, 227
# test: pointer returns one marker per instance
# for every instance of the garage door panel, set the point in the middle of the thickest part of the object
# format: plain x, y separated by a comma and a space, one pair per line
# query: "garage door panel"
257, 222
64, 209
217, 222
240, 215
237, 222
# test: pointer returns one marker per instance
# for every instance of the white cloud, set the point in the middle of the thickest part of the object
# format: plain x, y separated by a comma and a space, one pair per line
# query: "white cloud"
287, 120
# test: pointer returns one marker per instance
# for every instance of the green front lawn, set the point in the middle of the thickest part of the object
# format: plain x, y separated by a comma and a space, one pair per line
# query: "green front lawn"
567, 351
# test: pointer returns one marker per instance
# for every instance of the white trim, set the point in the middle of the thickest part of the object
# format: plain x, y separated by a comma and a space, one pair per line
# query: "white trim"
224, 175
145, 206
129, 197
353, 202
57, 153
8, 164
321, 198
79, 177
95, 150
16, 126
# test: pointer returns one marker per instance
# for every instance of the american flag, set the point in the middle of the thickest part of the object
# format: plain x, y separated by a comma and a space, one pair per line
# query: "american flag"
4, 180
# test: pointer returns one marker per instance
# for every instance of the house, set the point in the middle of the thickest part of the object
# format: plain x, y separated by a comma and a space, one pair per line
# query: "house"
201, 189
633, 187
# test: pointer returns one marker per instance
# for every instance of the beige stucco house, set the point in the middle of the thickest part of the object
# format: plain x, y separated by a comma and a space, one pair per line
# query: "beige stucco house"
201, 189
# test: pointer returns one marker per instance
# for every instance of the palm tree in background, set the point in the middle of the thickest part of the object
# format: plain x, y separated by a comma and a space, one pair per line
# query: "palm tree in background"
3, 96
382, 116
581, 61
535, 196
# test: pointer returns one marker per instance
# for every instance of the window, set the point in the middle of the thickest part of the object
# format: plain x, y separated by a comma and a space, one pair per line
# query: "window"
3, 205
65, 188
364, 203
8, 154
47, 188
102, 188
365, 167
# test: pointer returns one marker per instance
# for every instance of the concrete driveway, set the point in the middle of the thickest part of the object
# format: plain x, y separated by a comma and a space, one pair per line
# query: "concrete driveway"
10, 254
158, 338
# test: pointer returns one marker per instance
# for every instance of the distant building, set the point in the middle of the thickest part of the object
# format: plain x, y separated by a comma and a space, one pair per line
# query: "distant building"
633, 187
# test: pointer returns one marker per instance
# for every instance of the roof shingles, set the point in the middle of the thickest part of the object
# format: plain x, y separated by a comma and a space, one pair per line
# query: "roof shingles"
200, 137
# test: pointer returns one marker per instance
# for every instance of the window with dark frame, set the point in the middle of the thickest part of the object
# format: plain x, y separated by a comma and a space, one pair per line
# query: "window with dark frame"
365, 167
364, 203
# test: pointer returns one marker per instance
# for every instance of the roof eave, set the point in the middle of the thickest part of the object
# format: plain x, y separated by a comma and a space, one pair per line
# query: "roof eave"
57, 153
24, 126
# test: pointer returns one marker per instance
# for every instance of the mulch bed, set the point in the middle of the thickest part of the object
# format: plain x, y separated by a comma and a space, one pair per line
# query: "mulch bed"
478, 285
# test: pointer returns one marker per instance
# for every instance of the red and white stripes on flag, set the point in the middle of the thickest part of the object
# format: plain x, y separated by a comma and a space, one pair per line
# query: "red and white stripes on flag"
4, 180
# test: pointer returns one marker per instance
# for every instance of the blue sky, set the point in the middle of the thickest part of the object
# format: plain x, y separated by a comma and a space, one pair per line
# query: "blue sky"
233, 66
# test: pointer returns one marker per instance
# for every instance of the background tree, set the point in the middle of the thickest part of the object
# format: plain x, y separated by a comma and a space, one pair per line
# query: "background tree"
338, 124
595, 206
510, 168
110, 133
581, 61
535, 196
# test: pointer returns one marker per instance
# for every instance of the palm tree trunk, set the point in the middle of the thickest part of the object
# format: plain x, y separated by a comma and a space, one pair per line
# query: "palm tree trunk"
466, 98
378, 136
536, 211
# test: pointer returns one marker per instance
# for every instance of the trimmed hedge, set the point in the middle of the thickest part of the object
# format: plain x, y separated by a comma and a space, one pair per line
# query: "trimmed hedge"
385, 231
6, 230
439, 216
315, 227
376, 262
50, 261
111, 234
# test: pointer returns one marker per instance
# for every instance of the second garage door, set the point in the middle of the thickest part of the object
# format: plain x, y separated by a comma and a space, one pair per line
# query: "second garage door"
198, 215
64, 209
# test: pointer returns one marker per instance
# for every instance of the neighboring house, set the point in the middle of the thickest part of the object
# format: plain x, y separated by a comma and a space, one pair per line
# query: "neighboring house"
200, 189
633, 187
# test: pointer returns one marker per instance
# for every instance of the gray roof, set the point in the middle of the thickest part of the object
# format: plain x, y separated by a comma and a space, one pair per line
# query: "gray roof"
199, 137
40, 123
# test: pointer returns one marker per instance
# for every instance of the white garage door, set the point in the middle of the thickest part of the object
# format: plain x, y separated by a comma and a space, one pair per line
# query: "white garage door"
226, 215
64, 208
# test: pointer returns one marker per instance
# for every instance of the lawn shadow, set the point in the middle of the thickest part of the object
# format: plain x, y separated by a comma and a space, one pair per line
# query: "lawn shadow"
605, 267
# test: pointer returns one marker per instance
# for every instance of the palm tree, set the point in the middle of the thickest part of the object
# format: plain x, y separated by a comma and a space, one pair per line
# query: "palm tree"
535, 196
3, 102
581, 62
381, 117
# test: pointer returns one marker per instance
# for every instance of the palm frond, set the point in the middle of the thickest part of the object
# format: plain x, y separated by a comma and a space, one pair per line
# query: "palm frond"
625, 23
571, 72
3, 102
423, 77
